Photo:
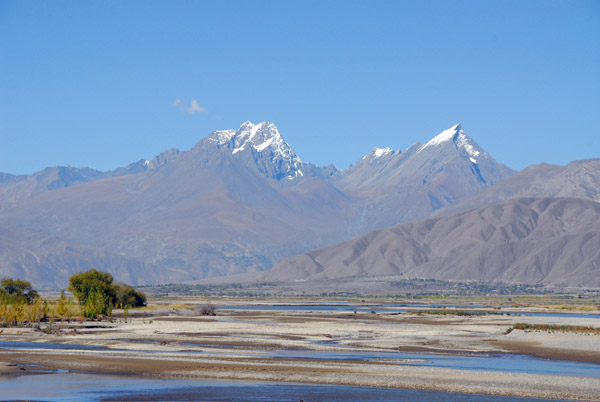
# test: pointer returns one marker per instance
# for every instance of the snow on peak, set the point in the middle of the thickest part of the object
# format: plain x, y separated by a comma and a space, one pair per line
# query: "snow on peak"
446, 135
260, 136
263, 138
472, 149
456, 135
377, 153
221, 137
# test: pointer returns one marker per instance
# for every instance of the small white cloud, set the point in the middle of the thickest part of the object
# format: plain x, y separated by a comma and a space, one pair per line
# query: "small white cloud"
192, 109
196, 108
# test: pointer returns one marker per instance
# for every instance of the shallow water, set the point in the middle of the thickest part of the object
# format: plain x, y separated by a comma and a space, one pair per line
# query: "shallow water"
489, 362
48, 345
71, 387
507, 363
538, 314
389, 308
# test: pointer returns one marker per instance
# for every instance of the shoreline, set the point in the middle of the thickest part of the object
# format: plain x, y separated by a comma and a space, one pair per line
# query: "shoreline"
244, 346
325, 373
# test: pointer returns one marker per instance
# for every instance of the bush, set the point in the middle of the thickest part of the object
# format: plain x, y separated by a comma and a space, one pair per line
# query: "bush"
85, 284
208, 309
96, 304
127, 296
93, 290
96, 292
61, 307
17, 291
550, 327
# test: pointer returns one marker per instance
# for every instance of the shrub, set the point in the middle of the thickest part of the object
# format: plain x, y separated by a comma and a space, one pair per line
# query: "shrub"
92, 282
18, 314
550, 327
127, 296
15, 291
95, 292
208, 309
61, 307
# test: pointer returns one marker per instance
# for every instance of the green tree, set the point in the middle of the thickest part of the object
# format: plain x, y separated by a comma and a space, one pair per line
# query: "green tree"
90, 307
127, 296
84, 284
97, 294
15, 291
95, 291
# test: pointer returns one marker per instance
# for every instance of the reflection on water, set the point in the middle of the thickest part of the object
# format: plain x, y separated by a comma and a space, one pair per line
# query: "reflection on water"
70, 387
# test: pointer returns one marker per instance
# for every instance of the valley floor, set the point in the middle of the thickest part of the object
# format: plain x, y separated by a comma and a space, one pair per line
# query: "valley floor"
408, 347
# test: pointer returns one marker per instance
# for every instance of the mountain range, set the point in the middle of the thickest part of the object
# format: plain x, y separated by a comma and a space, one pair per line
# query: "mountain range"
240, 201
525, 240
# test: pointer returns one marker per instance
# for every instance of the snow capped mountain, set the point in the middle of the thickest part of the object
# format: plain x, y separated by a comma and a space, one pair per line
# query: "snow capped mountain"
463, 142
265, 145
444, 136
409, 185
240, 200
448, 150
377, 153
452, 147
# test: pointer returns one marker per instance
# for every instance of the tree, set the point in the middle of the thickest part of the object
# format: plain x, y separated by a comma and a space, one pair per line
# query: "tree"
92, 306
37, 312
95, 291
19, 313
61, 307
84, 284
97, 294
128, 296
18, 291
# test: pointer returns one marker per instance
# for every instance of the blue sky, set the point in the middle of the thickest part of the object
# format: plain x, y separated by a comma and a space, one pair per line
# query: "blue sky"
106, 83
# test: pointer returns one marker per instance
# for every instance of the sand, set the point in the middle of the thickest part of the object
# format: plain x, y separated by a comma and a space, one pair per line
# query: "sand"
240, 345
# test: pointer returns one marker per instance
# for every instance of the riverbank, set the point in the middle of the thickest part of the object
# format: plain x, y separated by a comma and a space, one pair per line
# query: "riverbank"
310, 346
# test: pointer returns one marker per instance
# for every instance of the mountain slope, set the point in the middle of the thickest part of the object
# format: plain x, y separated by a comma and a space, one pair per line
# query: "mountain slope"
240, 200
579, 179
48, 262
216, 209
404, 186
547, 240
14, 189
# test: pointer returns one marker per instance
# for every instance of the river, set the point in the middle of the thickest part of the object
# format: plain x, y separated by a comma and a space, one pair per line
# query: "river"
73, 387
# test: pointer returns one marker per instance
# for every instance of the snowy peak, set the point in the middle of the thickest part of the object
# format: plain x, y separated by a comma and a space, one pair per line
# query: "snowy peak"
466, 143
456, 136
265, 142
261, 136
445, 136
377, 153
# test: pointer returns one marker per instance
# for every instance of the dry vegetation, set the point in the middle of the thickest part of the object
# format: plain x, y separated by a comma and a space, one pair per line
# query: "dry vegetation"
41, 310
554, 328
461, 313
